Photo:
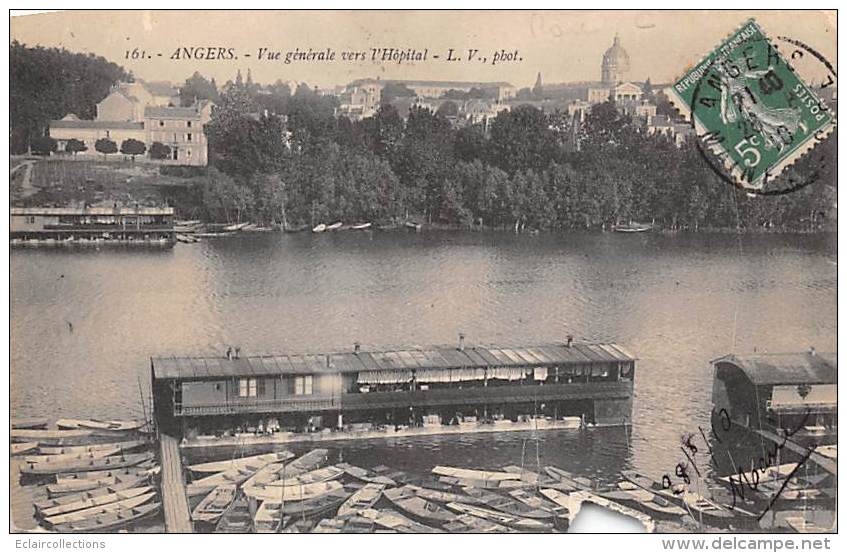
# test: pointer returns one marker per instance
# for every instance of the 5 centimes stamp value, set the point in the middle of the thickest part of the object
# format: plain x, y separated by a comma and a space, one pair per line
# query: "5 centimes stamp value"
751, 108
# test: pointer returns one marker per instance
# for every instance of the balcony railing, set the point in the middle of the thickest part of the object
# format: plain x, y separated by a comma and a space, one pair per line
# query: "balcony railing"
421, 398
253, 405
488, 394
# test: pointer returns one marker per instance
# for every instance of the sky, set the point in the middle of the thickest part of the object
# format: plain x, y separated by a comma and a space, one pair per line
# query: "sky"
564, 46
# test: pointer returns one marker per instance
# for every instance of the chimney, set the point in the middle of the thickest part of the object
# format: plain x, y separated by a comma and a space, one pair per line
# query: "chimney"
461, 342
356, 347
570, 340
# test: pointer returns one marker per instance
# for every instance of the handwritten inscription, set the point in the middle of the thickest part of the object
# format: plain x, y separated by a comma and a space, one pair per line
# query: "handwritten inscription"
740, 480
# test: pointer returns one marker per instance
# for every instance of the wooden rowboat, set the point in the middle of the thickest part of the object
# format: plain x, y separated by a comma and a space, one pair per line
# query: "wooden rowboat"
110, 521
31, 423
365, 475
264, 475
81, 465
442, 496
215, 504
318, 505
388, 518
417, 507
254, 462
47, 436
471, 474
95, 424
147, 467
503, 485
21, 448
280, 494
95, 501
41, 506
83, 514
518, 523
469, 524
576, 482
644, 501
67, 499
80, 485
62, 458
268, 519
272, 472
205, 485
316, 458
365, 498
331, 472
700, 506
349, 525
64, 450
535, 502
509, 505
236, 519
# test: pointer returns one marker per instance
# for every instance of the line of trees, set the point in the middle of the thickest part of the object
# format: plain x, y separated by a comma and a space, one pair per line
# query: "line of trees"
521, 173
49, 83
281, 156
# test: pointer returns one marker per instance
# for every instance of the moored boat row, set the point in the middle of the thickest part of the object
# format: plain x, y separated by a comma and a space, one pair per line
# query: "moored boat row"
87, 475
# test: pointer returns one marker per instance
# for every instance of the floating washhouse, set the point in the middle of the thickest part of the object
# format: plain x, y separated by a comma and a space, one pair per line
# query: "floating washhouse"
779, 391
119, 224
210, 395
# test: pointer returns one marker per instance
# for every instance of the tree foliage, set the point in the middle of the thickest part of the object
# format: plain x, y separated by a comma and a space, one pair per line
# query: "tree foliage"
520, 171
43, 145
159, 151
74, 146
133, 147
49, 83
105, 146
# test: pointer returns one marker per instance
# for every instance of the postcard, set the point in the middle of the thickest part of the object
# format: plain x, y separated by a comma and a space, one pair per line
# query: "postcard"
423, 271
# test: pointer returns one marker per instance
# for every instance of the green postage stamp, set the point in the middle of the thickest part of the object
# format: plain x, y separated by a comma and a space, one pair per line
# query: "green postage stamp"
750, 108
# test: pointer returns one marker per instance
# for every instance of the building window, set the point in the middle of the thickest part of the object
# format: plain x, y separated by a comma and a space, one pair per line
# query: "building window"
188, 123
188, 137
108, 134
161, 123
247, 387
303, 385
31, 220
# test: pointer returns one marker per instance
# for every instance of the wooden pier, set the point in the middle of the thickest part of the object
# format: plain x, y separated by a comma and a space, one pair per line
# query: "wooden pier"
174, 500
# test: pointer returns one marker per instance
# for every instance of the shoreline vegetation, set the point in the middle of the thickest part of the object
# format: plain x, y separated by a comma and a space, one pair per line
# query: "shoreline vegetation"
280, 157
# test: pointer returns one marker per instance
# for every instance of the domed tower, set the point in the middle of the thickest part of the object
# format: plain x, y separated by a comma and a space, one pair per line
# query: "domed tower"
615, 64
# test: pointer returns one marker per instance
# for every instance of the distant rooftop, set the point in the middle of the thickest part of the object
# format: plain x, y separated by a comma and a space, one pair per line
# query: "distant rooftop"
167, 112
436, 358
142, 210
90, 124
786, 368
160, 88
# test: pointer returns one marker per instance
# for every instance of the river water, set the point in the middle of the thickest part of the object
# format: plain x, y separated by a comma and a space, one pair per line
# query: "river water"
85, 322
